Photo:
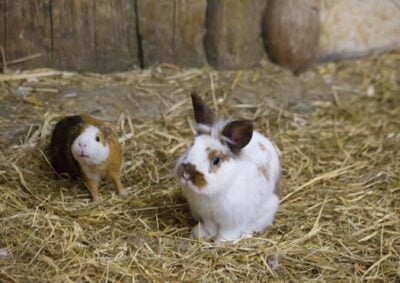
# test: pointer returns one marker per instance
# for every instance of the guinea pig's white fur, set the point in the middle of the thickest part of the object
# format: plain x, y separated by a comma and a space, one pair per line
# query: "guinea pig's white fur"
240, 197
86, 150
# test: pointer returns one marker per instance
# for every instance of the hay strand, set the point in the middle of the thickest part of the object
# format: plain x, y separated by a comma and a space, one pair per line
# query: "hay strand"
339, 215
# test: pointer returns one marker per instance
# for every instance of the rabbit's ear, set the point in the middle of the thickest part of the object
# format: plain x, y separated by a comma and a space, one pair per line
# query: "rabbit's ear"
238, 134
202, 113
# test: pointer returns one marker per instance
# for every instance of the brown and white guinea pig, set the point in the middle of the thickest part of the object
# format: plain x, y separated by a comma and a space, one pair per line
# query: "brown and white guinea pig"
85, 147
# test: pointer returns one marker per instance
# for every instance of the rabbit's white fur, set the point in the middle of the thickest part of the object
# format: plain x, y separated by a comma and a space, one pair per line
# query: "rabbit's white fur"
240, 197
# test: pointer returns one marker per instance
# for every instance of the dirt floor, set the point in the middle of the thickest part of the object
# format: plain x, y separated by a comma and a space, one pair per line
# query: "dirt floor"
146, 94
337, 126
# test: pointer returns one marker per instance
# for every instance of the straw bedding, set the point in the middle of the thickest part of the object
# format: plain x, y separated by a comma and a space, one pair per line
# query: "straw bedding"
339, 215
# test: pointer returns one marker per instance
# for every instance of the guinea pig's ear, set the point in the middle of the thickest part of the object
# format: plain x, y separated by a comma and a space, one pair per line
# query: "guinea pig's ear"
80, 126
238, 134
107, 131
78, 129
202, 113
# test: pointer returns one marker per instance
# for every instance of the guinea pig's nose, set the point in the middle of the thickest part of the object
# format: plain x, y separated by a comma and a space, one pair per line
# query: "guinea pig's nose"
81, 144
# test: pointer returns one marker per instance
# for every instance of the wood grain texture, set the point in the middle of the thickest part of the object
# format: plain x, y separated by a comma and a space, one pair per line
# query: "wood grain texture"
26, 30
172, 31
116, 45
74, 35
94, 35
118, 35
79, 35
233, 39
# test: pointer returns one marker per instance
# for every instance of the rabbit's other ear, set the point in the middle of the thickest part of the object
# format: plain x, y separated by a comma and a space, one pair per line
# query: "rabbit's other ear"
238, 134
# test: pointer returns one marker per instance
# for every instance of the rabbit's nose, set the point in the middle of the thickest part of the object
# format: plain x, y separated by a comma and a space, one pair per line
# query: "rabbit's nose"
186, 174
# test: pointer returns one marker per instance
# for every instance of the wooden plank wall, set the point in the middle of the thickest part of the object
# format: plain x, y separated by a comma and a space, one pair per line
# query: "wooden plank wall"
233, 38
26, 30
117, 35
82, 35
94, 35
172, 31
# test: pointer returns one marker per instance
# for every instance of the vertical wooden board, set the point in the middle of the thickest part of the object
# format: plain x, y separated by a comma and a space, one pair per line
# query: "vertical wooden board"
94, 35
233, 38
156, 30
26, 31
189, 32
116, 40
74, 34
172, 31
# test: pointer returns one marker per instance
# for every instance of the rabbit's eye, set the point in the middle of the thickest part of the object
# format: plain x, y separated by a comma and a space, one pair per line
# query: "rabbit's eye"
216, 161
97, 138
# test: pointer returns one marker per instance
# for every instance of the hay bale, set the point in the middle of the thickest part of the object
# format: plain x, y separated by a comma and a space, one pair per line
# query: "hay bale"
355, 28
233, 39
172, 31
291, 32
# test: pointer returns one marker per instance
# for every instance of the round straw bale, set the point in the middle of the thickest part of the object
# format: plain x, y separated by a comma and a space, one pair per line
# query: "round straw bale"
291, 32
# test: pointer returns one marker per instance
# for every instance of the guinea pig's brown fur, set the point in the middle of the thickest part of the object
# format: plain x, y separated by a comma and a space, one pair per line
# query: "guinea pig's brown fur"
63, 161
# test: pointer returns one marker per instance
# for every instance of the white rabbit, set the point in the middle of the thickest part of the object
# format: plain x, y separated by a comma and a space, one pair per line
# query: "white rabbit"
230, 177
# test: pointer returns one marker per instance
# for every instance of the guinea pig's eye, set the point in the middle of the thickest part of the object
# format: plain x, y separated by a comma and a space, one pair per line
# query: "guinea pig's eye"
215, 161
97, 138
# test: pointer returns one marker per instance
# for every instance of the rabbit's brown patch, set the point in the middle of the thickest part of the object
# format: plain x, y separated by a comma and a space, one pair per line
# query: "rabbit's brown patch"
196, 176
199, 180
262, 169
216, 153
212, 154
262, 147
